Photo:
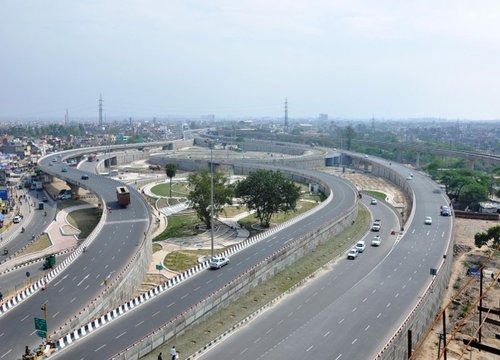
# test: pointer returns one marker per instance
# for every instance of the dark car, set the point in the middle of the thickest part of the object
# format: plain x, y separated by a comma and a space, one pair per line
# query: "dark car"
85, 177
64, 169
44, 198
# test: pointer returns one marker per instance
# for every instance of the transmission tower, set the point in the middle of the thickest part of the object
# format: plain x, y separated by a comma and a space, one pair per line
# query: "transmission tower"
286, 115
100, 110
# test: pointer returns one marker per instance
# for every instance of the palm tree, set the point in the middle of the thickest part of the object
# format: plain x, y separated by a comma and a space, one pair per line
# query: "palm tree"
170, 170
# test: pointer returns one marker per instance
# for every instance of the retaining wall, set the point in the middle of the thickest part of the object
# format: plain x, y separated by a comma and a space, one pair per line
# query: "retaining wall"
232, 291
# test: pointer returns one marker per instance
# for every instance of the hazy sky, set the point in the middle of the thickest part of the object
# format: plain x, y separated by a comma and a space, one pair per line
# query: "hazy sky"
349, 58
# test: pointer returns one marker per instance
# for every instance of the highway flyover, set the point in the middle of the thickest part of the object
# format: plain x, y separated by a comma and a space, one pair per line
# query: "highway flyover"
131, 327
82, 281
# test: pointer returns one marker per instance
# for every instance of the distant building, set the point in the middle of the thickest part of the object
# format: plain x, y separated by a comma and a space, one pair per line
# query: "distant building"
323, 117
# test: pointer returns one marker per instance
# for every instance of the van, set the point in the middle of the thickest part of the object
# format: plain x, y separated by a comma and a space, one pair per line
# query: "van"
360, 246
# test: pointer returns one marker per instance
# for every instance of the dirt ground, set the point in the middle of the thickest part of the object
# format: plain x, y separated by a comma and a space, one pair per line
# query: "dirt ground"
462, 308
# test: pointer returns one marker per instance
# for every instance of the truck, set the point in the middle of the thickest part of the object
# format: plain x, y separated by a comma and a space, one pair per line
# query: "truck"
49, 262
376, 225
92, 157
123, 196
154, 167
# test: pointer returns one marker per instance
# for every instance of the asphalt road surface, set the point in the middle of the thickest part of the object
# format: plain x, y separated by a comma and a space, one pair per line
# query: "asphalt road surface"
134, 325
329, 320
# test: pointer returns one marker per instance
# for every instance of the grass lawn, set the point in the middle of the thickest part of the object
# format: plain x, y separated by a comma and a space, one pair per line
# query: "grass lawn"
156, 247
302, 206
85, 220
197, 336
179, 226
185, 259
39, 244
178, 189
377, 194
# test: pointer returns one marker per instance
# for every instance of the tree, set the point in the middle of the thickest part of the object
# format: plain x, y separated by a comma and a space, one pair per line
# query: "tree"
199, 196
466, 185
268, 192
170, 170
493, 233
350, 134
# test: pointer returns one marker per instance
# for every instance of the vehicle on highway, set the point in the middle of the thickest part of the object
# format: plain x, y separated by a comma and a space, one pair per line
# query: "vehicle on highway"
218, 261
85, 177
376, 241
54, 160
64, 169
376, 225
360, 246
17, 219
64, 196
352, 254
428, 220
123, 196
409, 177
373, 202
445, 210
44, 198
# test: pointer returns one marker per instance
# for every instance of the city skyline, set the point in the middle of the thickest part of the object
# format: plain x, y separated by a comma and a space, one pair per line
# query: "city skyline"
352, 60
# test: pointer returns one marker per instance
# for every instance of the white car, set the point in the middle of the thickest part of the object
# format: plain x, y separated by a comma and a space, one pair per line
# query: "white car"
428, 220
373, 202
218, 262
376, 241
360, 246
352, 254
17, 219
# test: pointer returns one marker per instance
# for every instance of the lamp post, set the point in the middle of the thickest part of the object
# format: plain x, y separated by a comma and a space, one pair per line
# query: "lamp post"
210, 145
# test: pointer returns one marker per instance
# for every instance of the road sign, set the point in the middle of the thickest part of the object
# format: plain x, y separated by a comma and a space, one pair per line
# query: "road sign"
41, 327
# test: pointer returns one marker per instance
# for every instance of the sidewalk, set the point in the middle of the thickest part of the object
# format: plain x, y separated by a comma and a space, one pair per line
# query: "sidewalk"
62, 236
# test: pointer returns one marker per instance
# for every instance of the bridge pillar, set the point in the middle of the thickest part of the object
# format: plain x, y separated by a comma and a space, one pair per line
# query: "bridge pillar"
471, 163
74, 188
417, 162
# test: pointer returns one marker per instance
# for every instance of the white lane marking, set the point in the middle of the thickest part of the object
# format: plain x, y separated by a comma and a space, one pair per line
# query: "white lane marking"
24, 318
208, 282
365, 299
63, 278
85, 278
388, 304
338, 357
326, 334
354, 341
268, 331
243, 351
86, 287
288, 241
374, 291
366, 328
119, 336
184, 296
156, 313
341, 321
99, 348
257, 340
197, 288
2, 334
397, 294
290, 314
279, 322
57, 313
379, 315
169, 305
72, 300
139, 323
5, 354
309, 348
61, 289
353, 310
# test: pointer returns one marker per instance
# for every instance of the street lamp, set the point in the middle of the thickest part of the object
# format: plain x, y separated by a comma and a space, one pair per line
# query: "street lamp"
210, 145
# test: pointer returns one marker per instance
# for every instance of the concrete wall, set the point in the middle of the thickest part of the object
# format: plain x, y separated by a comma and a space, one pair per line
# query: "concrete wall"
232, 291
115, 293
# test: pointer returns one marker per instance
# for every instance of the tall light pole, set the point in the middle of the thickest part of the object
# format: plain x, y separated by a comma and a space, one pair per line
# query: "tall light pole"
210, 144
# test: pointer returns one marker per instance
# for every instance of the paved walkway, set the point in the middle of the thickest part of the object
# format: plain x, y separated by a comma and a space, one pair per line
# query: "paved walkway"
61, 233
